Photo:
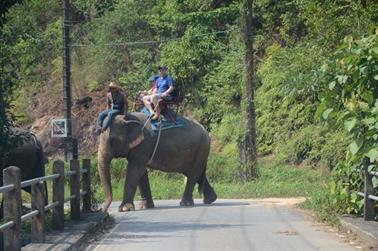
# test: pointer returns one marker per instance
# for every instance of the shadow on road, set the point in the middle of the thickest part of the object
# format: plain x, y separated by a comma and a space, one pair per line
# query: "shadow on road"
216, 204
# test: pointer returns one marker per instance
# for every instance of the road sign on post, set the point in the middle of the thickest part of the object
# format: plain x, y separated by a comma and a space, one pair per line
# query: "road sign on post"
58, 128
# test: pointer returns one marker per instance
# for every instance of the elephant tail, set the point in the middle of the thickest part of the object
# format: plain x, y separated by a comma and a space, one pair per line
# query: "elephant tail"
41, 160
40, 155
201, 181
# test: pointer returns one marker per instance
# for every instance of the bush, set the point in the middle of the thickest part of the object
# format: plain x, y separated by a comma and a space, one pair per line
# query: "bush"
313, 145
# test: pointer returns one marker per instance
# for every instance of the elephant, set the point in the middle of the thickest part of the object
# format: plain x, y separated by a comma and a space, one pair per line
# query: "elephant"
28, 156
183, 150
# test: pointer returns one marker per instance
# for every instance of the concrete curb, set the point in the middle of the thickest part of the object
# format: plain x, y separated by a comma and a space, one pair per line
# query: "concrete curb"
367, 231
72, 236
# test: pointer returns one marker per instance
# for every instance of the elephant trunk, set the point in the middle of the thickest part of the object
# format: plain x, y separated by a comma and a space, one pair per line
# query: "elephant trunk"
104, 160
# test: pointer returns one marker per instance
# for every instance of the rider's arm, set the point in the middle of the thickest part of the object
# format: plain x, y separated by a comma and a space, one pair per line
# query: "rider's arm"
109, 101
170, 89
166, 93
152, 90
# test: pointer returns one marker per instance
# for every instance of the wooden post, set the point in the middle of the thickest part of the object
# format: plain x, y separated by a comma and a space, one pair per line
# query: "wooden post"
75, 189
368, 190
67, 76
75, 150
87, 186
38, 203
58, 196
12, 208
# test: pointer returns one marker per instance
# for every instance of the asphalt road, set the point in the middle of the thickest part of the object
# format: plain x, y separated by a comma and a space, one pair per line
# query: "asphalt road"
270, 224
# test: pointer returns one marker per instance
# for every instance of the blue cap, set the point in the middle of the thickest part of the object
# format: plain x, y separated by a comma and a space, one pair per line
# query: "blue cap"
161, 67
153, 78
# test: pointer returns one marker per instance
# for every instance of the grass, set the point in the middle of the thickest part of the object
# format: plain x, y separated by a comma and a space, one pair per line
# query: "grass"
274, 180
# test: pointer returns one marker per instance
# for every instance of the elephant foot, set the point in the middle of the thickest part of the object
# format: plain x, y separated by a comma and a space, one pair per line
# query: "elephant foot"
146, 204
187, 203
106, 205
126, 207
210, 199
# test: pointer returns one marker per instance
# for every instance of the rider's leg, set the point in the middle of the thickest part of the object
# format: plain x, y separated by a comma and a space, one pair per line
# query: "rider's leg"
147, 102
112, 113
100, 120
155, 101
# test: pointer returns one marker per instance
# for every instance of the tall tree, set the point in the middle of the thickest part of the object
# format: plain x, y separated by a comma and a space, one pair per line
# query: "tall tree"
248, 146
6, 82
4, 8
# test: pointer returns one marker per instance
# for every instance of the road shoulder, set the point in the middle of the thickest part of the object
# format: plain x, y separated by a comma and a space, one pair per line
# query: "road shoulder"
74, 234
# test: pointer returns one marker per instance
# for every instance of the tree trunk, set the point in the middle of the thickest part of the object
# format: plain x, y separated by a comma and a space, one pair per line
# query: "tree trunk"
248, 145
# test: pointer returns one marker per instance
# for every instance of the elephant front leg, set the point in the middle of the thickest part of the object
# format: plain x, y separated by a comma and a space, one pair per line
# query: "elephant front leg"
131, 183
104, 172
187, 197
145, 192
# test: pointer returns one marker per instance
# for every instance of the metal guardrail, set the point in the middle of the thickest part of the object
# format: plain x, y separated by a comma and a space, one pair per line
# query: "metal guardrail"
69, 173
69, 198
6, 225
369, 197
7, 188
31, 182
29, 215
12, 200
51, 206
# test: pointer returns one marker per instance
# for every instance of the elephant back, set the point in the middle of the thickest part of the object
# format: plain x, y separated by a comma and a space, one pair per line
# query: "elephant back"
28, 156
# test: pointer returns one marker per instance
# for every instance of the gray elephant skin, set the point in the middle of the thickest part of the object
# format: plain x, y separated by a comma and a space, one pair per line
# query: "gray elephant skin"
182, 150
28, 156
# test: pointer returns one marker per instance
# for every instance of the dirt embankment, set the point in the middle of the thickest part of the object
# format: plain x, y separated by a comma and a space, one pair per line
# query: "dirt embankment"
84, 113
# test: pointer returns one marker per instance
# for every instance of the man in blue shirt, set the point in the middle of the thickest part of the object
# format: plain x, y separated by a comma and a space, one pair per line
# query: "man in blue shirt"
162, 90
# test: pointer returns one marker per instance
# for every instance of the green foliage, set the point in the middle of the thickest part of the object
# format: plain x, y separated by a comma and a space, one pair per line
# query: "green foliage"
222, 93
350, 94
285, 100
7, 80
313, 145
200, 42
221, 167
4, 9
350, 99
190, 58
328, 22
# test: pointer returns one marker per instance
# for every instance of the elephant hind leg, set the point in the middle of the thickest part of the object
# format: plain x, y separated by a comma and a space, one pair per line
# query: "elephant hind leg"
187, 197
204, 187
145, 192
209, 195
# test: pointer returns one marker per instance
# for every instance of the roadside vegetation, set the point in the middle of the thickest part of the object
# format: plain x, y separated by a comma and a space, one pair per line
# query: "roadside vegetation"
316, 97
274, 180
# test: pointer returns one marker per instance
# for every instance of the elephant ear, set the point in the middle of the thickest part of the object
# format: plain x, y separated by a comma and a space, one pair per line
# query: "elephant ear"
134, 133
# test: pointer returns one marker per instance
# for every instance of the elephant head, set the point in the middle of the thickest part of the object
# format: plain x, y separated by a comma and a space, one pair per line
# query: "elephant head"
121, 137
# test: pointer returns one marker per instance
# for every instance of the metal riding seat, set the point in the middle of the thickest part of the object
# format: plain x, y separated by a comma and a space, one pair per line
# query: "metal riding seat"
169, 108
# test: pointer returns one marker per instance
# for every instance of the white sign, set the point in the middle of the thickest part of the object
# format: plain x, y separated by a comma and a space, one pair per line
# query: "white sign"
59, 128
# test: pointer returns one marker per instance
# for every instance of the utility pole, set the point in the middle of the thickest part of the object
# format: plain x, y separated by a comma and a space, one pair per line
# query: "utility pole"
67, 77
248, 147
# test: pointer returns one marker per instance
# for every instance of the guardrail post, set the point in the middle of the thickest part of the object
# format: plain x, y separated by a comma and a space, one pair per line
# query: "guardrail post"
75, 189
38, 203
368, 190
75, 150
12, 208
87, 185
58, 196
